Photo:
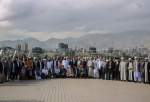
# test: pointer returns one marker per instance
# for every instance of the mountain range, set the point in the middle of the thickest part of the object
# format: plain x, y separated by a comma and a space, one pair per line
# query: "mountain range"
101, 41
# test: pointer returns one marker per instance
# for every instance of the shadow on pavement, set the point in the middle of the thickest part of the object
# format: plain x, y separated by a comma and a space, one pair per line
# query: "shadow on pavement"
20, 101
22, 83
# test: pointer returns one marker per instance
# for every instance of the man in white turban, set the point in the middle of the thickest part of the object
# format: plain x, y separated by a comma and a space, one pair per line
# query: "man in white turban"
130, 70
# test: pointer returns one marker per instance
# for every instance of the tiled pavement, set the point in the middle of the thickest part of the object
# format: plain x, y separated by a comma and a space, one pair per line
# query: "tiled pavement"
74, 90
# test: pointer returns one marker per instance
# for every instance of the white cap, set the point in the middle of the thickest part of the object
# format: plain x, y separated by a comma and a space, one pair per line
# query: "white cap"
122, 58
44, 59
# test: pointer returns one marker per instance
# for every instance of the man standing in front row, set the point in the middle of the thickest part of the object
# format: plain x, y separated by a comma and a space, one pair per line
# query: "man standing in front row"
146, 67
99, 66
137, 70
1, 72
122, 69
130, 70
90, 68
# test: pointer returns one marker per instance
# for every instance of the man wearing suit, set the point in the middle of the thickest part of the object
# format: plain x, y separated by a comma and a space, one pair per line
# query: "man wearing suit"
1, 72
116, 70
146, 67
110, 67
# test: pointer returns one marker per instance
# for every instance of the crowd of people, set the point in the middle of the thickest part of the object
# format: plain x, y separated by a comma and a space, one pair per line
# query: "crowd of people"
123, 69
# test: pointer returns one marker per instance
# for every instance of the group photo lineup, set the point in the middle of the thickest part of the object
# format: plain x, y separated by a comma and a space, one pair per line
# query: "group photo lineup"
74, 51
65, 63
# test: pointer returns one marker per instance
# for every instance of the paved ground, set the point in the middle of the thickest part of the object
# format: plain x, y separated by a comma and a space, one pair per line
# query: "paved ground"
74, 90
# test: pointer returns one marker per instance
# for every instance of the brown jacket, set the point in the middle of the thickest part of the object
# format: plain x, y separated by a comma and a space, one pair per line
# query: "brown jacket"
29, 64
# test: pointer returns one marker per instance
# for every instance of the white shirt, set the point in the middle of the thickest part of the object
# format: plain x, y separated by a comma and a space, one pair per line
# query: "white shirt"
65, 64
78, 63
99, 64
49, 64
95, 64
45, 71
130, 65
89, 64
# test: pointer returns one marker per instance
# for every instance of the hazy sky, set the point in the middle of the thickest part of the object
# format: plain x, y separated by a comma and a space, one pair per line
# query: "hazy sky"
43, 19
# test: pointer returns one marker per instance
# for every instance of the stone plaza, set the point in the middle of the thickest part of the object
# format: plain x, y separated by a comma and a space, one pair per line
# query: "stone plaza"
74, 90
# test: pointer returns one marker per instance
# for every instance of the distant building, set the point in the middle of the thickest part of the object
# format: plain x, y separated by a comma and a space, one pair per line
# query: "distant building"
18, 47
6, 51
110, 50
63, 49
37, 50
26, 48
6, 48
92, 50
63, 46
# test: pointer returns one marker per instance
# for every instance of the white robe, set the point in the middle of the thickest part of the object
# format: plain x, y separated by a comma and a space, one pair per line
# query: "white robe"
90, 68
122, 68
137, 74
96, 74
49, 65
130, 69
99, 64
146, 72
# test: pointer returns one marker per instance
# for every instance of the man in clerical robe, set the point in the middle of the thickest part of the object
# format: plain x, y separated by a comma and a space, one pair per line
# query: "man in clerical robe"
130, 68
99, 66
122, 69
96, 70
137, 70
90, 68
